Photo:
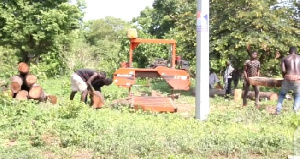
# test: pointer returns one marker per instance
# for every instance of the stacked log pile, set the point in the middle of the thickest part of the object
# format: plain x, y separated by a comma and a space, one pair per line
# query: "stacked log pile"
24, 86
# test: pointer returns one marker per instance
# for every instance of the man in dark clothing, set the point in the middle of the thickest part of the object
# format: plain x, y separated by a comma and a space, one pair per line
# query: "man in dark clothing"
291, 74
228, 79
251, 69
98, 83
81, 80
235, 77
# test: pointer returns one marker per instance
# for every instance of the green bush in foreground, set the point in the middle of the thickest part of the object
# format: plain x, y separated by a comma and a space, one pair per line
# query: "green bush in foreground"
70, 129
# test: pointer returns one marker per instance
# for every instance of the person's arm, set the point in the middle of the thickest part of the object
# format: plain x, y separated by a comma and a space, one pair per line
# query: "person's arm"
283, 69
245, 72
89, 82
248, 49
258, 70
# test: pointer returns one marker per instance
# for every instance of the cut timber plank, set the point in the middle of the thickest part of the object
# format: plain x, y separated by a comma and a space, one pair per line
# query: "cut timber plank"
154, 104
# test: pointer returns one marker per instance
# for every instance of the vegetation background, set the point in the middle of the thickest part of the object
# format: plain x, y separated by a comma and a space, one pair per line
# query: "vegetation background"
52, 37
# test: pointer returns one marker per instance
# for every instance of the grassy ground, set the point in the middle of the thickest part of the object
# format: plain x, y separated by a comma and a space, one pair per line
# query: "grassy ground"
73, 130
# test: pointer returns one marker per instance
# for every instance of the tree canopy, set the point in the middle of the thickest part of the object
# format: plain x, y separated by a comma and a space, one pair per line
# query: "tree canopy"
35, 27
233, 26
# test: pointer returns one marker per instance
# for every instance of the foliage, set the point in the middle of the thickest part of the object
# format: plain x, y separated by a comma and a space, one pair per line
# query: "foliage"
145, 54
233, 26
101, 42
8, 62
71, 129
39, 30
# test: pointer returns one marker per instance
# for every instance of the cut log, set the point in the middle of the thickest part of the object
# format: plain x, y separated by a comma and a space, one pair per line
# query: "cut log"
16, 84
97, 100
268, 95
23, 68
36, 92
52, 99
22, 95
251, 94
30, 80
237, 95
265, 81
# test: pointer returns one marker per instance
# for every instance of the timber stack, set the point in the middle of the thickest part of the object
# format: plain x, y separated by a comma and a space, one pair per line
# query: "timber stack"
24, 86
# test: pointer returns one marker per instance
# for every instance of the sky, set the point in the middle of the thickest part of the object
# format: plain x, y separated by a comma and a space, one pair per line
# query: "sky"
124, 9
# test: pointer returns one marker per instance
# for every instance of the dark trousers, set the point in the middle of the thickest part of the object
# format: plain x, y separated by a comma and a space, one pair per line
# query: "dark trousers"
228, 88
246, 90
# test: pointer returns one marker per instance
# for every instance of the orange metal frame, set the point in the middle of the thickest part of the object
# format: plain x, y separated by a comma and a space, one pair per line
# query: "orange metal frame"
135, 42
177, 79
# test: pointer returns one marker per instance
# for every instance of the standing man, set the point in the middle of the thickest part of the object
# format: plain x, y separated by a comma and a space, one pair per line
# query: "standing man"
228, 78
291, 74
251, 69
81, 80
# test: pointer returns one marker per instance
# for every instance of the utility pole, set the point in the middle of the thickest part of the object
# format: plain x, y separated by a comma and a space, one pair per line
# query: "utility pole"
202, 60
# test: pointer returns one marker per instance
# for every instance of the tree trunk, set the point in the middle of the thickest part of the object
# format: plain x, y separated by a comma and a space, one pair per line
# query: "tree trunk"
265, 81
16, 84
269, 95
21, 95
250, 95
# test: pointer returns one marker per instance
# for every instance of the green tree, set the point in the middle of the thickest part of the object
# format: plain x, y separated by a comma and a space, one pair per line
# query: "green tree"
233, 26
101, 46
35, 27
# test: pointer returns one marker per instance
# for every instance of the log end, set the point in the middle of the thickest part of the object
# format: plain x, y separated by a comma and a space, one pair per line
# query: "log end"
23, 68
52, 99
22, 95
274, 97
30, 80
36, 92
15, 87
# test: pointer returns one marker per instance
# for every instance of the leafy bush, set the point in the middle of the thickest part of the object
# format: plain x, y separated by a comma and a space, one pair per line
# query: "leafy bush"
8, 62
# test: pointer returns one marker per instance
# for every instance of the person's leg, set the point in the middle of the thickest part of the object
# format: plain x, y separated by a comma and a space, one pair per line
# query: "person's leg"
235, 83
74, 86
296, 102
84, 96
229, 86
296, 96
256, 90
72, 95
246, 89
283, 92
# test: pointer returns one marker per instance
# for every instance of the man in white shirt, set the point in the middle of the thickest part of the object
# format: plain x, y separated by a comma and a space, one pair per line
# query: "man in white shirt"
213, 79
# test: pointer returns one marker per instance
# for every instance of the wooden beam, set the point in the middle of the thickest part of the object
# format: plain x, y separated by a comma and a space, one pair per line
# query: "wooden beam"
157, 41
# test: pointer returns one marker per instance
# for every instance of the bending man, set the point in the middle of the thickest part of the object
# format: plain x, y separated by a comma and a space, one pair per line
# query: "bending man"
81, 80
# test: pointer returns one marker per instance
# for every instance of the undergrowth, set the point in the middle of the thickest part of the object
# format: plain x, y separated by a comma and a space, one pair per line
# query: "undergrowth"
71, 129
